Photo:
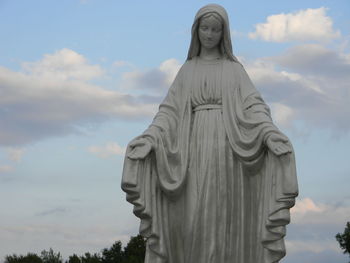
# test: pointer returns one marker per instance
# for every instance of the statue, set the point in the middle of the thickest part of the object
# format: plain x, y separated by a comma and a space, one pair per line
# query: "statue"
212, 178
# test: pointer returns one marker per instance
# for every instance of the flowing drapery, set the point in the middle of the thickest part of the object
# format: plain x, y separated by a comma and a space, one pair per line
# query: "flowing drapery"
156, 186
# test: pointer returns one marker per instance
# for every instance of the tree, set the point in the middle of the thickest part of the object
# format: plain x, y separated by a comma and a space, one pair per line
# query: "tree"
73, 259
32, 258
344, 239
29, 258
135, 250
114, 254
90, 258
13, 258
51, 257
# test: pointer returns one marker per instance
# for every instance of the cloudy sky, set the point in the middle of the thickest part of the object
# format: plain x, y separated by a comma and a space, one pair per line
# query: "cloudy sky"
79, 79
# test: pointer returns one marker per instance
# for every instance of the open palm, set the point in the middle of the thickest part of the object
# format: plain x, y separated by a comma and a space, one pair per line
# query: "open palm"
278, 144
140, 148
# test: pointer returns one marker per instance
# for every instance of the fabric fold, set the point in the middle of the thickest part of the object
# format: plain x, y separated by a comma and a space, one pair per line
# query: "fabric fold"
155, 185
210, 190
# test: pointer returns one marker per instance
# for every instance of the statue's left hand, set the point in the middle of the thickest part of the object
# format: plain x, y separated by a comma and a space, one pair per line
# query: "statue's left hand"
278, 144
140, 148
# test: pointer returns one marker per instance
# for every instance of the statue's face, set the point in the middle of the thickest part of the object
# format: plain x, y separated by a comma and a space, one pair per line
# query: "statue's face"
209, 32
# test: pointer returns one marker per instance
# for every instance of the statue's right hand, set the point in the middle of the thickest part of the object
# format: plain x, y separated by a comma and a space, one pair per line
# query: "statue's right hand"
140, 148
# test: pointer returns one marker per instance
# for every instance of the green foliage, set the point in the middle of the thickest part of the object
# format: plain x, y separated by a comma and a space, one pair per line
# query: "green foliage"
113, 254
51, 257
73, 259
134, 252
344, 239
89, 258
29, 258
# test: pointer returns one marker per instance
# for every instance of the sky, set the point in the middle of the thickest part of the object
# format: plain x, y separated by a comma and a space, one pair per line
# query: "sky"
80, 79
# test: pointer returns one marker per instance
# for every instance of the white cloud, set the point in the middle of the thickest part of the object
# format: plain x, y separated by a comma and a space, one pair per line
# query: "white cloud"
5, 169
315, 59
55, 96
281, 89
15, 154
308, 83
108, 150
307, 212
170, 67
122, 63
153, 80
297, 246
311, 234
282, 114
64, 64
306, 205
304, 25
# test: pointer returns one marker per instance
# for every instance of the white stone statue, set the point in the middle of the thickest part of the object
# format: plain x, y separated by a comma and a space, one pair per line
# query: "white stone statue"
212, 179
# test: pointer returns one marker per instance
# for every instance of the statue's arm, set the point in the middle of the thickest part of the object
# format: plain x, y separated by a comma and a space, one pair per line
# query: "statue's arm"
165, 120
255, 108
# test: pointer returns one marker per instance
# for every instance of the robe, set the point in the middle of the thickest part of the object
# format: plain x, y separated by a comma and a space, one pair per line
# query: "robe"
247, 222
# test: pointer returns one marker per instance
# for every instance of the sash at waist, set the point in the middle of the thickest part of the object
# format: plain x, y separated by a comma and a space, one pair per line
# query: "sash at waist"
208, 107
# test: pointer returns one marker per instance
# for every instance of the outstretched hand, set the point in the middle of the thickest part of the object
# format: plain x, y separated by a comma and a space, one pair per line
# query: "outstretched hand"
140, 148
278, 144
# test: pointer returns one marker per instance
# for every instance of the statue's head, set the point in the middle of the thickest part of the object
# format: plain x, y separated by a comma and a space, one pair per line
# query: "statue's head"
210, 30
216, 16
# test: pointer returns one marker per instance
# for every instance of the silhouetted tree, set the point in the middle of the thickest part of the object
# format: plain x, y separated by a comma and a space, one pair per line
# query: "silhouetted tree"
51, 257
73, 259
32, 258
114, 254
344, 239
13, 259
90, 258
134, 252
29, 258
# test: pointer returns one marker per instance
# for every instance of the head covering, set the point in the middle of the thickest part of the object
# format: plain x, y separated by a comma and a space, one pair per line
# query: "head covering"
225, 45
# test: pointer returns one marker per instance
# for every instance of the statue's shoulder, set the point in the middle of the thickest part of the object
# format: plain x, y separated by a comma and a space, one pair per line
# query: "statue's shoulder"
234, 65
189, 63
233, 70
186, 68
231, 66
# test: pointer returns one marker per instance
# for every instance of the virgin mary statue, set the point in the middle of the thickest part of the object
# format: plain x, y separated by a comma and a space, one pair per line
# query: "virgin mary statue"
212, 178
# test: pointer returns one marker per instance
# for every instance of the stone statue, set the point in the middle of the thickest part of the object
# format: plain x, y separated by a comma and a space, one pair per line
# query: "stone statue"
212, 178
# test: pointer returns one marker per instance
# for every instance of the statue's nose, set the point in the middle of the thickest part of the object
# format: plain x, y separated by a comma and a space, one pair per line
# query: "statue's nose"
209, 34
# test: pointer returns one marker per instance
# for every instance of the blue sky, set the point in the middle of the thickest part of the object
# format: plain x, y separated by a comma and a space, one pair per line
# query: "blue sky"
80, 79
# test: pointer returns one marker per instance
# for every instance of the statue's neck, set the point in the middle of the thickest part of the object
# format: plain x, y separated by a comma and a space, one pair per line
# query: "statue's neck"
210, 54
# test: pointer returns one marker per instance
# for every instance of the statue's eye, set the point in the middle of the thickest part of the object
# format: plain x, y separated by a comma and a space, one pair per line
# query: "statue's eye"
204, 28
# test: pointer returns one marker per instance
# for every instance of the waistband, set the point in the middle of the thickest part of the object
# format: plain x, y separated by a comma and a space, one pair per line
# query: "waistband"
208, 107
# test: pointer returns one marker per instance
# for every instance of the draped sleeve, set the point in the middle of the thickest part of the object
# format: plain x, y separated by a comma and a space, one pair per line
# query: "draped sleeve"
155, 184
151, 183
248, 124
